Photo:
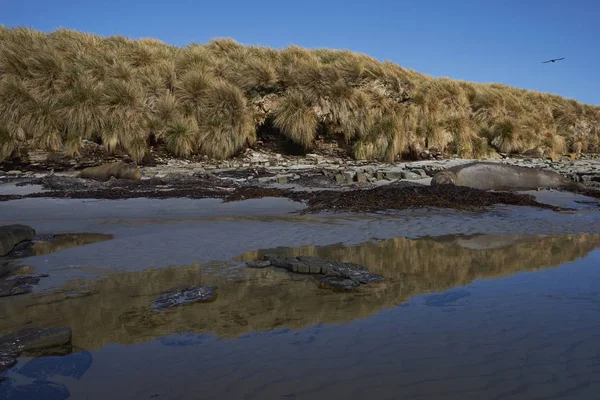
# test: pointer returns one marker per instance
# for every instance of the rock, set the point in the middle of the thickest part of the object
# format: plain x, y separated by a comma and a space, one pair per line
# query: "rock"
339, 283
339, 275
349, 175
391, 175
18, 285
361, 177
12, 235
339, 178
36, 342
419, 172
410, 175
265, 179
148, 159
258, 264
210, 176
302, 268
380, 175
14, 172
275, 260
282, 179
177, 297
14, 288
6, 362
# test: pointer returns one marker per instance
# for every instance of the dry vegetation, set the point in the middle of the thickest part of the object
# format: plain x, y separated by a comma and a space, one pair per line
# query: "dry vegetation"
59, 88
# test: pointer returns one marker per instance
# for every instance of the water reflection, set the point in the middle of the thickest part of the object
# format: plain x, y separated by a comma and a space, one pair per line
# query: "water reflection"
65, 241
48, 244
117, 308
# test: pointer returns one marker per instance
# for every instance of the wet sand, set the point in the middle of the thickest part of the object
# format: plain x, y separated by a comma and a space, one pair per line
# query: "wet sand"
492, 304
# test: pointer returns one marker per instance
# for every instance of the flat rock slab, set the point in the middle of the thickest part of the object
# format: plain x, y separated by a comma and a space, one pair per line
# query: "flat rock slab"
178, 297
34, 342
16, 285
258, 264
335, 274
12, 235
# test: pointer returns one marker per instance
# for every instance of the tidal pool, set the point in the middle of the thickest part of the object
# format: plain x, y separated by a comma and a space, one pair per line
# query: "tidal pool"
495, 305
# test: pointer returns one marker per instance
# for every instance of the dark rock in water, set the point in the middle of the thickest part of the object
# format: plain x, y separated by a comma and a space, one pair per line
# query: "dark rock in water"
178, 297
12, 235
276, 261
20, 289
36, 342
258, 264
338, 282
6, 362
339, 275
16, 285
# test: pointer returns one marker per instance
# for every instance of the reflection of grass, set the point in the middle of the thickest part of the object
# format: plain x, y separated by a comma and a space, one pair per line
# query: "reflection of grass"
67, 240
118, 307
58, 88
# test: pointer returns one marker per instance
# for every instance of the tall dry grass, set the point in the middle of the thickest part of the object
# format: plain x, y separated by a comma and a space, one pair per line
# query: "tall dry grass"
59, 88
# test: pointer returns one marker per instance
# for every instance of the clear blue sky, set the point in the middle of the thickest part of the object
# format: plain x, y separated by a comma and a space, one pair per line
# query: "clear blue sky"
481, 41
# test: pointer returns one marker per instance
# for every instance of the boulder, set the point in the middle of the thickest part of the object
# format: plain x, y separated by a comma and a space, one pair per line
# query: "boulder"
361, 177
349, 175
410, 175
392, 175
12, 235
34, 342
258, 264
18, 284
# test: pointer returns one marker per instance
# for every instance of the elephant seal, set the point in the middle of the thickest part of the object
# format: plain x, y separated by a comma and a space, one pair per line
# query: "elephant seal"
496, 176
120, 170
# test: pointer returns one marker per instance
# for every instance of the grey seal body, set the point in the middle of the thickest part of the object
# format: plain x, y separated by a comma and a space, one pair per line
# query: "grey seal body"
496, 176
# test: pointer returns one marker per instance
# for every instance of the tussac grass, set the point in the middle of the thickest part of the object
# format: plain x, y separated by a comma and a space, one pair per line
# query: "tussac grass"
59, 88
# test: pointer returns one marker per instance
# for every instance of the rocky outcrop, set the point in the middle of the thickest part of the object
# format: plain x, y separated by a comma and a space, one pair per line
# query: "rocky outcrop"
12, 235
34, 342
19, 284
334, 274
180, 296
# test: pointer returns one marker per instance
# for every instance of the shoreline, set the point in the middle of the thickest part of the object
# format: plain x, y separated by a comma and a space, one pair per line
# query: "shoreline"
315, 180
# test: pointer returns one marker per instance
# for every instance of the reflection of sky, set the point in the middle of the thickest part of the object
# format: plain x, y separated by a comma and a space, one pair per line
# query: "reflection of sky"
532, 334
40, 378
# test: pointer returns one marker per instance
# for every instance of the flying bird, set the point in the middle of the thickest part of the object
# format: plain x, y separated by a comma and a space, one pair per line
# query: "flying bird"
553, 60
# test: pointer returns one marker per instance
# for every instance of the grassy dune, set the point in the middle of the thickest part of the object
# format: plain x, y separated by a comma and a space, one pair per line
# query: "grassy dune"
59, 88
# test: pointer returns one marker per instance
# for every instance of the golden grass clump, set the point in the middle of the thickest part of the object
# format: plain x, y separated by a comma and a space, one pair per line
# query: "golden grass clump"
180, 136
226, 124
61, 87
296, 119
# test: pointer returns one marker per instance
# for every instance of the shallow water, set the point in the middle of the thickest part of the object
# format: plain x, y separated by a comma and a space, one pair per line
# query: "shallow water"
502, 304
